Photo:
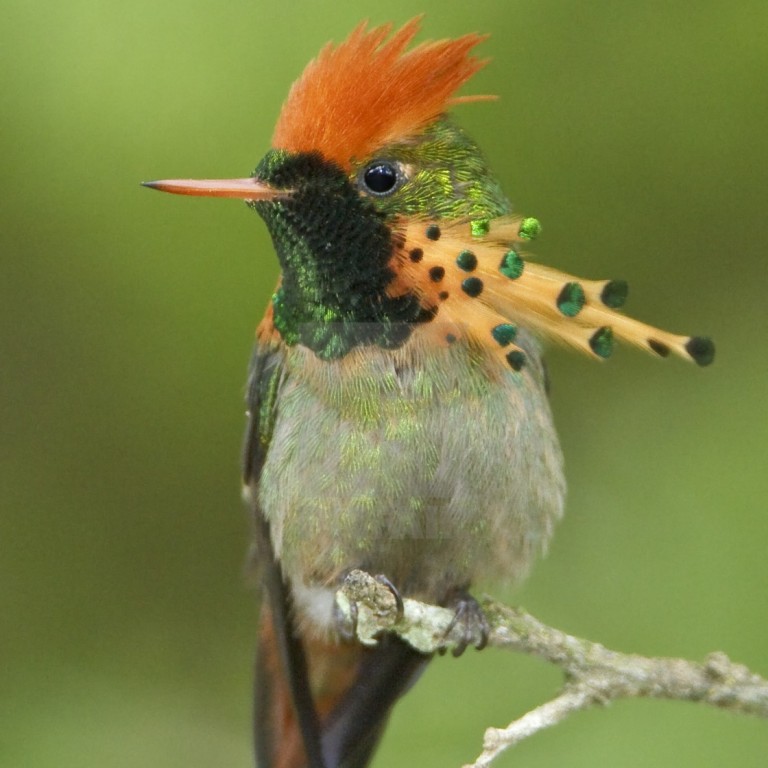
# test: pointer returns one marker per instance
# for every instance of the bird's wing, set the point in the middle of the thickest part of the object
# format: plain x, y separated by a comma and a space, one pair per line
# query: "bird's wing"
282, 686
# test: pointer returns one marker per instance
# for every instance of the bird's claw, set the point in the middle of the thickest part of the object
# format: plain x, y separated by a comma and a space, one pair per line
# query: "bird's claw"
470, 621
347, 620
399, 607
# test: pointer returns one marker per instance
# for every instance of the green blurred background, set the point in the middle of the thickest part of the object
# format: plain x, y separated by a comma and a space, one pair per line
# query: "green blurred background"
635, 131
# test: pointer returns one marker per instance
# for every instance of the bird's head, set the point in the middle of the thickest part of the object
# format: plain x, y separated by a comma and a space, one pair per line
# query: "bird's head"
384, 216
361, 142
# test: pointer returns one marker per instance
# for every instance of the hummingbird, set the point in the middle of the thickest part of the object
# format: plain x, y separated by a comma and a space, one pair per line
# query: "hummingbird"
398, 416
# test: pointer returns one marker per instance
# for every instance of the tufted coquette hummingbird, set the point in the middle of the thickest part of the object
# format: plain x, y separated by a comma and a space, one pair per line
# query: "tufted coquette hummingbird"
398, 419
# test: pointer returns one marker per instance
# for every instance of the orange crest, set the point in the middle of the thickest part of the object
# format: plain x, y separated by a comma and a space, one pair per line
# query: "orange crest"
366, 93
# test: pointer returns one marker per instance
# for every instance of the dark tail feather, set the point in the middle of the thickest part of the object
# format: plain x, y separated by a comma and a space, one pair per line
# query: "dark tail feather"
278, 736
354, 689
285, 708
351, 733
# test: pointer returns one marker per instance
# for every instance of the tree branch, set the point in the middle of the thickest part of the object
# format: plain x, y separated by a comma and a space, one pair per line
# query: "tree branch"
593, 673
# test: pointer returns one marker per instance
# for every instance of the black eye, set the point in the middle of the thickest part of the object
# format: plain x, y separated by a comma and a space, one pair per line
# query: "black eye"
380, 177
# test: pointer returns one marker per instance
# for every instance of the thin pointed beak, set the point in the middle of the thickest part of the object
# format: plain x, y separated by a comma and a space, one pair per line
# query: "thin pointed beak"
244, 189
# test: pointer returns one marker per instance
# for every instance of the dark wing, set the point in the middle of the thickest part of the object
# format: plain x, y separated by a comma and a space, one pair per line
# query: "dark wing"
265, 375
281, 672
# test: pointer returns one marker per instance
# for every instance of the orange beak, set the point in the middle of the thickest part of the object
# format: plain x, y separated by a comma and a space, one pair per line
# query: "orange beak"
244, 189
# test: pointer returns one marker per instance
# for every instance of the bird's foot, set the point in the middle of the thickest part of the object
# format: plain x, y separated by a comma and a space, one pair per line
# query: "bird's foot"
384, 603
468, 622
399, 607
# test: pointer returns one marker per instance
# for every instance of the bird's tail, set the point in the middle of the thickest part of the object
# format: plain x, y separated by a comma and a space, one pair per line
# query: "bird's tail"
353, 689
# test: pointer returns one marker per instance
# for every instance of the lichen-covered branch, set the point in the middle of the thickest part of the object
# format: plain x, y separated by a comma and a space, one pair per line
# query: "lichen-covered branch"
594, 674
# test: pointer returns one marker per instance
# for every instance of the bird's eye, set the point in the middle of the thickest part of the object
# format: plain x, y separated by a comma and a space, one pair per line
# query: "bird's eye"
380, 177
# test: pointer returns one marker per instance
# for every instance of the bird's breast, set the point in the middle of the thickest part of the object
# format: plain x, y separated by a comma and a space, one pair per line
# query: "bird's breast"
423, 464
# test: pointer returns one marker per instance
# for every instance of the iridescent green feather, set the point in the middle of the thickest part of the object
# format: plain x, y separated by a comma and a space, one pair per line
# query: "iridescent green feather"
452, 179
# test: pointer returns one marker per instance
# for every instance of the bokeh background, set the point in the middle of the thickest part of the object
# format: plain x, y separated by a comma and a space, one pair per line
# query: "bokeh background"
635, 131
